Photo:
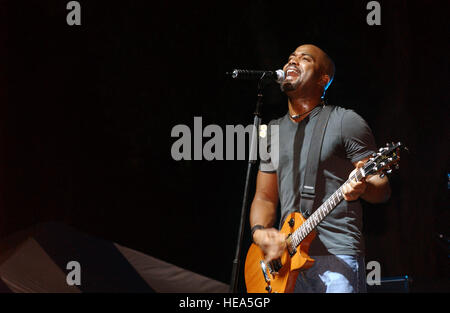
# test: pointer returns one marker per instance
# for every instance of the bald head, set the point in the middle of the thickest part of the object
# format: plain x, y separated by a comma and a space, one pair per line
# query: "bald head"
328, 68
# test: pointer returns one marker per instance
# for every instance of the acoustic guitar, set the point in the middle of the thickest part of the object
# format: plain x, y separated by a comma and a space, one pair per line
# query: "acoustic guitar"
280, 275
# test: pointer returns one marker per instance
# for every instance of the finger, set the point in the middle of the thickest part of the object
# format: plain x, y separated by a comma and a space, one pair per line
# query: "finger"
356, 184
281, 238
354, 193
269, 258
345, 190
348, 189
358, 187
348, 193
348, 197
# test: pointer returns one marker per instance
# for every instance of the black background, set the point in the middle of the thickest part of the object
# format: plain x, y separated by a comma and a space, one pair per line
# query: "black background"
87, 113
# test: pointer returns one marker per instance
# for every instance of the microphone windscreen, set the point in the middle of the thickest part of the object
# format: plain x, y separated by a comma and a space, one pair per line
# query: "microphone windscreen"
280, 76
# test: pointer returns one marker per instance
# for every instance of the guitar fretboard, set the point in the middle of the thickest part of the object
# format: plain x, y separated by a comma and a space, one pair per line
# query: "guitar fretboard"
308, 226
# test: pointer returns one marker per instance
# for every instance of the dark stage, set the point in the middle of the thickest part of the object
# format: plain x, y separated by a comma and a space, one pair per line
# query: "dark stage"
87, 113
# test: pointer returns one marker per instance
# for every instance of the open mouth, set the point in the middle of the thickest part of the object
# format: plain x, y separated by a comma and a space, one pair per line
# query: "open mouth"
292, 72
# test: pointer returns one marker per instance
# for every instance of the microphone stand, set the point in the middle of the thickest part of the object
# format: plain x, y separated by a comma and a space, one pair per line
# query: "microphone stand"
252, 160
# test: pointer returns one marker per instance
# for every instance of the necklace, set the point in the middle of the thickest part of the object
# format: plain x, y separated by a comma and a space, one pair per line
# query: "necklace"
299, 115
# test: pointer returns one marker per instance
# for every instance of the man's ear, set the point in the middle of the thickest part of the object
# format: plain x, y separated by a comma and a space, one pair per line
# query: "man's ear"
324, 80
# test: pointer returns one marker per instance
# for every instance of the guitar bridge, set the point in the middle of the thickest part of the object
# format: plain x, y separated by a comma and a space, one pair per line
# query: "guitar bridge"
275, 266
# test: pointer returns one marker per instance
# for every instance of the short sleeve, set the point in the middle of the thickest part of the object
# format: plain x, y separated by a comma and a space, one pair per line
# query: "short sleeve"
357, 137
265, 164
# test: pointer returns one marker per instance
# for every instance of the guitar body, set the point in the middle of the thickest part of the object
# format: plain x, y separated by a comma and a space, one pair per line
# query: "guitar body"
284, 280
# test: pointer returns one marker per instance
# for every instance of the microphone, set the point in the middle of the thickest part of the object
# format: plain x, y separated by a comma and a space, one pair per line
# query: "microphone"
277, 75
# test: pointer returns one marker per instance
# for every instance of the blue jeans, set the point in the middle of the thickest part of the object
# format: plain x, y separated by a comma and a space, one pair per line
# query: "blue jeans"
333, 273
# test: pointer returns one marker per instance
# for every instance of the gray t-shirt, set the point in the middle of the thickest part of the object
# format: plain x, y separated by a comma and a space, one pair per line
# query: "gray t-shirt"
347, 139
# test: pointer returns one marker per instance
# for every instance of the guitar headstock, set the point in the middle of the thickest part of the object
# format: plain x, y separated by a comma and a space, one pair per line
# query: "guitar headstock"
384, 160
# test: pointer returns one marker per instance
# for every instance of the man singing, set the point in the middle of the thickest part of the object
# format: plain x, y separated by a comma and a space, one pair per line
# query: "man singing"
338, 248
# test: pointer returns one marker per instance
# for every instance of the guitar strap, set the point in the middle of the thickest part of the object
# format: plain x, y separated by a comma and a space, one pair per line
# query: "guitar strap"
308, 190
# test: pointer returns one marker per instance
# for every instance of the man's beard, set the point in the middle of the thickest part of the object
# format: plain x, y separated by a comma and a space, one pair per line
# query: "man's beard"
289, 86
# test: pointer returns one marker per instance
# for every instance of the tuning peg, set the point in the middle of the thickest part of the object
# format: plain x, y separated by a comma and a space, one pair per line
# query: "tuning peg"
382, 164
375, 168
389, 171
390, 159
388, 144
382, 175
374, 154
381, 150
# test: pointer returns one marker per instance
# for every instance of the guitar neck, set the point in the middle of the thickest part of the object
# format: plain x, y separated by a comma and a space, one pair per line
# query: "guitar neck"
311, 223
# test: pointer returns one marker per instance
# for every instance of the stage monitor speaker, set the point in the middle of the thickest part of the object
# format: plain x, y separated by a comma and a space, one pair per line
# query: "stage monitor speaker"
41, 260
